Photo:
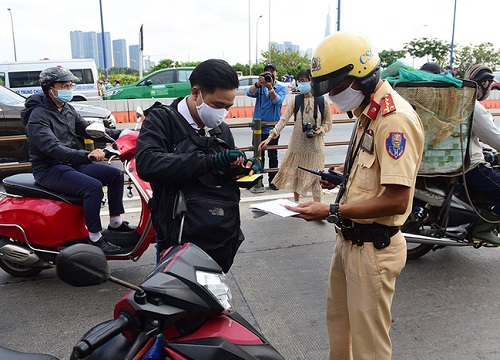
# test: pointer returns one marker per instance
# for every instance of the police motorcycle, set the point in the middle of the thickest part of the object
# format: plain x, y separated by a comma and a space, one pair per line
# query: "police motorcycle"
444, 213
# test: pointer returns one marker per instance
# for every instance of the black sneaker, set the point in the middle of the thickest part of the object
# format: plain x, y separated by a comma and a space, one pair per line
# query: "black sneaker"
106, 246
124, 227
273, 187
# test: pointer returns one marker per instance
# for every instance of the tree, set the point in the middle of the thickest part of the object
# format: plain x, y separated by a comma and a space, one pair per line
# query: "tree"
483, 53
163, 64
387, 57
437, 50
287, 61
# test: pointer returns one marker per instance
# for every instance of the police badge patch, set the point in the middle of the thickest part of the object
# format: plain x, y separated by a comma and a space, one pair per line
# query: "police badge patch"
395, 144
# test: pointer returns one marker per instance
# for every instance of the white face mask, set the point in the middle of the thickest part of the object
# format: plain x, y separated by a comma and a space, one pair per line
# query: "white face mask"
209, 116
348, 99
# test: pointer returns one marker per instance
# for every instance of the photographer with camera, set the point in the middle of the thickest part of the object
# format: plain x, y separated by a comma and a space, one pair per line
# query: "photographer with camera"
306, 147
269, 99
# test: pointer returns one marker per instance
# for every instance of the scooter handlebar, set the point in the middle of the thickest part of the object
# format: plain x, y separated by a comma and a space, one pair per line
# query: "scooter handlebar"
95, 339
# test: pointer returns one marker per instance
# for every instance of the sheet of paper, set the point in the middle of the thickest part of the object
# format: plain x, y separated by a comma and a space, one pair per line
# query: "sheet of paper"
276, 207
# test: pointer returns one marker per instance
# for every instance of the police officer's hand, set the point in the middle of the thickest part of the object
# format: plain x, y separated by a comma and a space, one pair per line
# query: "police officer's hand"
226, 159
328, 185
96, 155
311, 210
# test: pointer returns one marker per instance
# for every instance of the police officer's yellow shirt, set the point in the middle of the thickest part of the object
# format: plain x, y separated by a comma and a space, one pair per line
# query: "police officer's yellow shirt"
390, 153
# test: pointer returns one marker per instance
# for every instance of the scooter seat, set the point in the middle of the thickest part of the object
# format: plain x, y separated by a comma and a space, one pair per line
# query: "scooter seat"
25, 185
8, 354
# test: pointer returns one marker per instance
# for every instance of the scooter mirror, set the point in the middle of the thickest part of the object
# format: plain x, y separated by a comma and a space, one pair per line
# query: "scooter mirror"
96, 130
139, 114
82, 265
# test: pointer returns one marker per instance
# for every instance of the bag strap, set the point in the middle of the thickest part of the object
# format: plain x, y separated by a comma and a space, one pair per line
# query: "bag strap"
299, 104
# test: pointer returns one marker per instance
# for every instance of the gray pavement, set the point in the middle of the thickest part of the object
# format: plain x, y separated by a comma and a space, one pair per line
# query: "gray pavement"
444, 308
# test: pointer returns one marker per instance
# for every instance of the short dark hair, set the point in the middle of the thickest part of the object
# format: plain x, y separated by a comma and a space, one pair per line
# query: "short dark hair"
214, 74
304, 73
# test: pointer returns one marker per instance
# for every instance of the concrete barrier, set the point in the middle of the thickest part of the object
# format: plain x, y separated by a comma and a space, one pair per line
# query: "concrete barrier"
124, 110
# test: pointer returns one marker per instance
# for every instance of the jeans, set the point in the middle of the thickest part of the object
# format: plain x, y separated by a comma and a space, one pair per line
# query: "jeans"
485, 181
86, 181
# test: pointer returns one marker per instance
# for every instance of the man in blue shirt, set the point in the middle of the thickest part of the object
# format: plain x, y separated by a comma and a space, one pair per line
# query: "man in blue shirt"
269, 99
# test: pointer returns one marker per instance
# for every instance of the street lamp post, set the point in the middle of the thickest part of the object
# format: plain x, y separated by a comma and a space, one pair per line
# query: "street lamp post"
257, 40
13, 38
453, 37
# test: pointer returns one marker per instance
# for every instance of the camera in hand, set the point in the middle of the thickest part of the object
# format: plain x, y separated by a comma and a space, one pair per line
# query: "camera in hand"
309, 129
332, 176
268, 76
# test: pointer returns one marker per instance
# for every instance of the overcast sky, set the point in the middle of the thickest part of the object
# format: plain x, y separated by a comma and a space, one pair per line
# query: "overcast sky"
200, 29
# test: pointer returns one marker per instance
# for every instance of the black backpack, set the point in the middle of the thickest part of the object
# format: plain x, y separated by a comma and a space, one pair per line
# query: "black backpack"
319, 102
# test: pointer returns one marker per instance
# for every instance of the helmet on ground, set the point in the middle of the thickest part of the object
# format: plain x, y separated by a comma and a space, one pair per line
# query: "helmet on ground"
55, 74
344, 54
480, 73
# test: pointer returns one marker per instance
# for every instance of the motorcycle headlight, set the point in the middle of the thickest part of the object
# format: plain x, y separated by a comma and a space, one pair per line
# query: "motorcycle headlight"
218, 286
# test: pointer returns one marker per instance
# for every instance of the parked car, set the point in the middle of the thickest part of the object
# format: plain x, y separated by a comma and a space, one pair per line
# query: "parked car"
13, 146
164, 83
247, 81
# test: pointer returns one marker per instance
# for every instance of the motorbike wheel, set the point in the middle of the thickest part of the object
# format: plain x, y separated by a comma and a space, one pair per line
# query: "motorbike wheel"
417, 251
17, 269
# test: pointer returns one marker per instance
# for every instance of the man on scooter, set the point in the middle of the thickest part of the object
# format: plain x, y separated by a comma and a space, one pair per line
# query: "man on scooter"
187, 153
55, 133
481, 178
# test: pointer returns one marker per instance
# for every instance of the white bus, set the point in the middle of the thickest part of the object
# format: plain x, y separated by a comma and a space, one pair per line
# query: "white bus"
22, 77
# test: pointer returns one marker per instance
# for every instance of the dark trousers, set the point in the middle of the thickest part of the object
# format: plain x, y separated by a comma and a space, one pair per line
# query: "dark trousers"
273, 156
87, 181
485, 181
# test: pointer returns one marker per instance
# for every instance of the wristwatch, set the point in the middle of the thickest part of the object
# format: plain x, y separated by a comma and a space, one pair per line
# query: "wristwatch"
334, 214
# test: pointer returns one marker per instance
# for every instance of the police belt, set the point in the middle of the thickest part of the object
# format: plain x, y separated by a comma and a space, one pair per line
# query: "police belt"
375, 233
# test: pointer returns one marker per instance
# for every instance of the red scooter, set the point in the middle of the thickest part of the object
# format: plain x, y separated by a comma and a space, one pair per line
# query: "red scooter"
37, 223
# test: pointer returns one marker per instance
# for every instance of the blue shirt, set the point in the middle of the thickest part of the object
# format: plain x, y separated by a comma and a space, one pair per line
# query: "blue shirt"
266, 109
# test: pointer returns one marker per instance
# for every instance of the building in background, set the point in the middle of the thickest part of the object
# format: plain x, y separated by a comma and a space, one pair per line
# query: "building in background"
133, 51
148, 64
77, 50
84, 45
109, 51
120, 53
289, 46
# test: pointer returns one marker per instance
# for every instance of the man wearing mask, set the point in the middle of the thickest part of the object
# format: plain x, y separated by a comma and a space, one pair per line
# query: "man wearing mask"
59, 160
186, 151
481, 178
374, 200
269, 97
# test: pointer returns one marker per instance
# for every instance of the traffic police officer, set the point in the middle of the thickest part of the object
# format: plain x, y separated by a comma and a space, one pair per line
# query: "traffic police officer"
374, 200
